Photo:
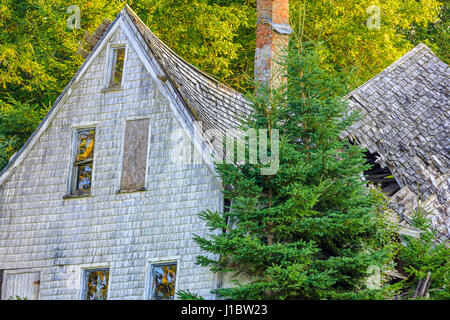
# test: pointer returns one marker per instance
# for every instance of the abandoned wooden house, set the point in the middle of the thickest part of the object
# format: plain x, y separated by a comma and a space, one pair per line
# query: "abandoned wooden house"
93, 207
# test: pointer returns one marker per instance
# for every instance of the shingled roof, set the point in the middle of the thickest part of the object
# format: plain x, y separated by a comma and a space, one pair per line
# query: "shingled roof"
405, 121
217, 106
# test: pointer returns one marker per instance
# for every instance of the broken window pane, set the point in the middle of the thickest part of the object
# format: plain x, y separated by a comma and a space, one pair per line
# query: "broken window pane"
96, 284
84, 161
84, 177
118, 61
163, 281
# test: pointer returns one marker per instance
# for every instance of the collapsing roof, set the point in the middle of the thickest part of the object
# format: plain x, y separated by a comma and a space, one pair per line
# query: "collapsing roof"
405, 120
405, 108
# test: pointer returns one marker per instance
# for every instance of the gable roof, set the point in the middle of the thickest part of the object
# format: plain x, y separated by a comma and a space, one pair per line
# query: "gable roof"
217, 106
405, 120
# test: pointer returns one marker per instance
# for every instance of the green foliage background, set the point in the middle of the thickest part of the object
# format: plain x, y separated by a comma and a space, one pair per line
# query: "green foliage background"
37, 50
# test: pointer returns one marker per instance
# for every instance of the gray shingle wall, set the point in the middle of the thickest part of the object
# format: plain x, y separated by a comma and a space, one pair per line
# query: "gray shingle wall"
39, 229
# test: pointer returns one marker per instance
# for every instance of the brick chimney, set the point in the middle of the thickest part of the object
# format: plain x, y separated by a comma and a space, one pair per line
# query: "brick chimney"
272, 34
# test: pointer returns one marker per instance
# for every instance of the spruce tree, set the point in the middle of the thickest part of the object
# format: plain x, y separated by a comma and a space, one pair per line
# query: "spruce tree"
312, 229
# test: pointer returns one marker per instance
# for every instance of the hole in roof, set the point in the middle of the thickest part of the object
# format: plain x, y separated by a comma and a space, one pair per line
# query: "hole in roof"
380, 176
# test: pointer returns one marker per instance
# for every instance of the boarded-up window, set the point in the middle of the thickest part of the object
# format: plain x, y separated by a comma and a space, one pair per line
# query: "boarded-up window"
135, 148
163, 277
118, 59
84, 162
21, 286
96, 284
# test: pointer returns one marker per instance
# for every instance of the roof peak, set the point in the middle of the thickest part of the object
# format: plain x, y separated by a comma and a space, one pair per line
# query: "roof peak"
216, 105
127, 10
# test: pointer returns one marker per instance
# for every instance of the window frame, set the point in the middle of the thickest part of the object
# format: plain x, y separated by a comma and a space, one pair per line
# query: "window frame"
72, 192
84, 277
110, 65
149, 278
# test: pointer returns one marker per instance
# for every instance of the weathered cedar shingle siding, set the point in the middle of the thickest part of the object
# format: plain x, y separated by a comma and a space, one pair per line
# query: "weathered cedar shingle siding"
41, 230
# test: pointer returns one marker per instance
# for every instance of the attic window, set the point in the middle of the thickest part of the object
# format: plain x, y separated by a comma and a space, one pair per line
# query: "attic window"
84, 162
117, 63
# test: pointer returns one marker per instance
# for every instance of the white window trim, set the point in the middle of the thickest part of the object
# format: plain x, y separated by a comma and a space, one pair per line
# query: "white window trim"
149, 279
73, 154
93, 267
109, 64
